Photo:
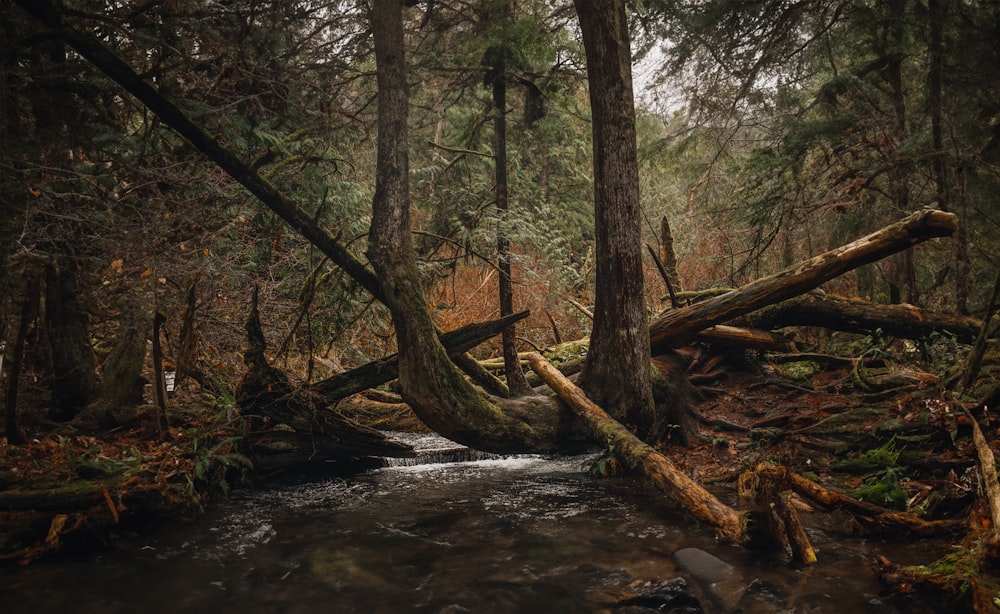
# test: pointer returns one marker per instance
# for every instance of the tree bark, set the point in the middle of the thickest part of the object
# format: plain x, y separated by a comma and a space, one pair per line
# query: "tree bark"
159, 377
769, 516
387, 369
748, 338
74, 367
858, 316
617, 370
29, 311
682, 324
121, 381
516, 383
430, 383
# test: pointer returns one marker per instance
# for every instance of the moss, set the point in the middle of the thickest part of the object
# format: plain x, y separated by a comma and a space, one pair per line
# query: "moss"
799, 370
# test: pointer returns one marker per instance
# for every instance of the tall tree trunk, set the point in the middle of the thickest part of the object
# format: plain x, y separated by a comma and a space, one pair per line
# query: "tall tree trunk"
516, 382
29, 311
617, 371
74, 374
903, 281
936, 16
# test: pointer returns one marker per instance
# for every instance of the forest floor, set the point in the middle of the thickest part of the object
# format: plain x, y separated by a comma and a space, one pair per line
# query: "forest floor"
881, 429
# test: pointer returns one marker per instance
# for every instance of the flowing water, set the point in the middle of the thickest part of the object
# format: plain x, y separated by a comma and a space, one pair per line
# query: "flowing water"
518, 534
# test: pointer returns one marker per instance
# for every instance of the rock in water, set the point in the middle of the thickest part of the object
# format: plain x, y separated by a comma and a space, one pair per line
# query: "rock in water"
702, 565
723, 582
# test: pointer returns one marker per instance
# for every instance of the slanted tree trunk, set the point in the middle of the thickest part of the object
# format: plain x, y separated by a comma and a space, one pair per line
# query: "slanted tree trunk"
438, 393
616, 374
386, 369
640, 456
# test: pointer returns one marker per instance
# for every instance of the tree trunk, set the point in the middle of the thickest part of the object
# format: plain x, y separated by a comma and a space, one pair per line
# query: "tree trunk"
430, 383
669, 254
29, 311
902, 275
617, 371
159, 376
74, 382
679, 325
121, 376
516, 383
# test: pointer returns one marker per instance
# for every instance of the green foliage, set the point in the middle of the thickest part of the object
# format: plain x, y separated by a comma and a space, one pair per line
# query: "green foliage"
883, 489
91, 464
881, 458
882, 485
605, 465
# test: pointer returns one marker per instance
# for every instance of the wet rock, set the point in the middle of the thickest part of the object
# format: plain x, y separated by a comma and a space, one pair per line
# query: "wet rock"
702, 565
673, 596
722, 582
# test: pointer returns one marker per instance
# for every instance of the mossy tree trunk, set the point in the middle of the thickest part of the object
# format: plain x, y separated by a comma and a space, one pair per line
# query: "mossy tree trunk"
121, 382
430, 383
616, 374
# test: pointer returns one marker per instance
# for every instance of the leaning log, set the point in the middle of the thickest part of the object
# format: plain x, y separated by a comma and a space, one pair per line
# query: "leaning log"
681, 324
376, 373
640, 456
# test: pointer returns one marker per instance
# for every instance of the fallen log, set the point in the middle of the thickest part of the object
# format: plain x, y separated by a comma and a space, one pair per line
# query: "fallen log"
749, 338
376, 373
681, 324
855, 315
640, 456
871, 517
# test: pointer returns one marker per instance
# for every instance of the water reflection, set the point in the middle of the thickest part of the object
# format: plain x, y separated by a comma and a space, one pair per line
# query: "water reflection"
522, 534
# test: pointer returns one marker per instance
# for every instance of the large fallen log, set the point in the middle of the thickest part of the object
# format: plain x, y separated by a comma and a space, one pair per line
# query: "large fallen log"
640, 456
682, 324
376, 373
855, 315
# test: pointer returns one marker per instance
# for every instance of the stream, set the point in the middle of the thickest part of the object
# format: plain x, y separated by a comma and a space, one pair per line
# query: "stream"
451, 531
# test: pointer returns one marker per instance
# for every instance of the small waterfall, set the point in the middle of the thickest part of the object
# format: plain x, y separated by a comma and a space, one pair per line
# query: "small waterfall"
456, 455
432, 449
